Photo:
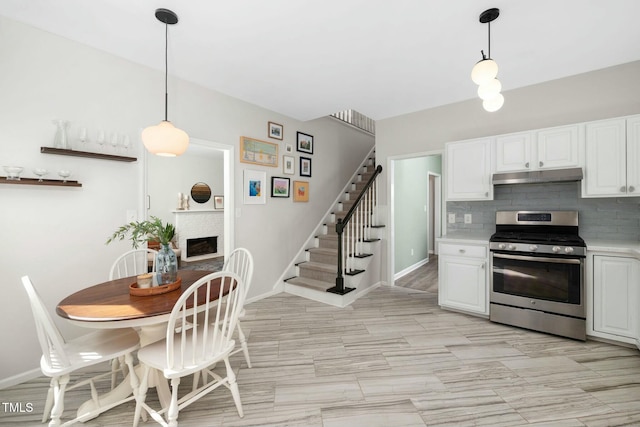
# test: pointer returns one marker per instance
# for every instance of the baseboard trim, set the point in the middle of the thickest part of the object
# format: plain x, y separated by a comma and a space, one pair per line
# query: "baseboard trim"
409, 269
20, 378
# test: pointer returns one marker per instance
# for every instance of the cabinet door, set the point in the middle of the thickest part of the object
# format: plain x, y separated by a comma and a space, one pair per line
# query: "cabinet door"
463, 284
605, 159
468, 171
513, 152
633, 156
616, 300
558, 148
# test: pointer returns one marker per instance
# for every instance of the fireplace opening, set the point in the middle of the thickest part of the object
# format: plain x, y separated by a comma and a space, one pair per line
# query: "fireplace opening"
202, 246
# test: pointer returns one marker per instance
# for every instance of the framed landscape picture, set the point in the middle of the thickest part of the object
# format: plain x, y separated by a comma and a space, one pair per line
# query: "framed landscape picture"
305, 143
288, 165
305, 166
300, 191
275, 130
280, 186
258, 152
255, 187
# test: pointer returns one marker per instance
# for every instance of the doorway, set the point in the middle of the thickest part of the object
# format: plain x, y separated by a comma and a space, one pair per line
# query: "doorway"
415, 220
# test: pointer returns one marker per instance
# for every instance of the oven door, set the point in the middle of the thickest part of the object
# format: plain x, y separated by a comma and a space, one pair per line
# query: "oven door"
539, 282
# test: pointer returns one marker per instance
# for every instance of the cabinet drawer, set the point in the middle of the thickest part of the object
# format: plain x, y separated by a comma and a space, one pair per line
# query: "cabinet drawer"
463, 250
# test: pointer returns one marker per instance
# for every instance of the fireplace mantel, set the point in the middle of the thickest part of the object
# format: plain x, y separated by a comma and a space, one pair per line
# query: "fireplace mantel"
186, 211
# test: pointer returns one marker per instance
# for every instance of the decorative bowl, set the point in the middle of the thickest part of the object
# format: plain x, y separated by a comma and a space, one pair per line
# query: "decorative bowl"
64, 174
13, 172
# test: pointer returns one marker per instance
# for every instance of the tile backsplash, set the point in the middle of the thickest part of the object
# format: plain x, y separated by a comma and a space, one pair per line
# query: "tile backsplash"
601, 218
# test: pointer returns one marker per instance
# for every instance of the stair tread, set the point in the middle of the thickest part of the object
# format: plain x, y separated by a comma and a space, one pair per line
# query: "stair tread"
311, 283
326, 251
318, 266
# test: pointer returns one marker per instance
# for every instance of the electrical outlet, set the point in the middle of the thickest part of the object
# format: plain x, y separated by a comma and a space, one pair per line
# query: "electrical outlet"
452, 218
411, 252
467, 218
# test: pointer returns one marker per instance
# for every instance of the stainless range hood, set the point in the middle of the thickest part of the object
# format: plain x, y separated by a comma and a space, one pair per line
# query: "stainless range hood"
537, 177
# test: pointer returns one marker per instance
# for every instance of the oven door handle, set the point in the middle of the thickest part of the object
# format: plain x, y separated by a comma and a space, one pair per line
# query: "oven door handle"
538, 259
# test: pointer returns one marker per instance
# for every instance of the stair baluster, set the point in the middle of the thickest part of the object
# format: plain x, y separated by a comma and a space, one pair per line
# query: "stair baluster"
351, 232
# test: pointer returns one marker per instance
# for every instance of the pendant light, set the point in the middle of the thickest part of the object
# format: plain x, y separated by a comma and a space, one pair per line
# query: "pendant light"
485, 71
164, 139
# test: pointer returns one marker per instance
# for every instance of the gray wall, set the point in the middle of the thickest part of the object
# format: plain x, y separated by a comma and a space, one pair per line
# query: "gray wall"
604, 218
410, 199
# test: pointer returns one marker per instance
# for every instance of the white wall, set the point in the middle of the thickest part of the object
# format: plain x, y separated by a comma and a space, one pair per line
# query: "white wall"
610, 92
56, 235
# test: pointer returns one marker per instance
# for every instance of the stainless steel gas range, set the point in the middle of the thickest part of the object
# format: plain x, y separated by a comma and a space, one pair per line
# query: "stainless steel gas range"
537, 277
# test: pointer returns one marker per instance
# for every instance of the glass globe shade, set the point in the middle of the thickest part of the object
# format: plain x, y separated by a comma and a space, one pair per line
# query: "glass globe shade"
489, 90
484, 71
164, 139
493, 104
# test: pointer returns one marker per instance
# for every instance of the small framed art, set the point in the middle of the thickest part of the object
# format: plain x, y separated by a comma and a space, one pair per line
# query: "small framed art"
280, 186
275, 130
305, 166
300, 191
288, 165
288, 148
218, 202
305, 143
255, 187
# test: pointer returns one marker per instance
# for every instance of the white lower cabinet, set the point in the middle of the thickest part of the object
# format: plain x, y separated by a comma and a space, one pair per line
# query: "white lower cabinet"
616, 298
463, 277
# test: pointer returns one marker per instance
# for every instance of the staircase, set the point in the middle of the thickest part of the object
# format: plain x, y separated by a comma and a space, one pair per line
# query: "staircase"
315, 273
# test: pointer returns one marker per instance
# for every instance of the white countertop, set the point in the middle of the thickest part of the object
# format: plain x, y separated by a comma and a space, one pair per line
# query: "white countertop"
613, 246
467, 236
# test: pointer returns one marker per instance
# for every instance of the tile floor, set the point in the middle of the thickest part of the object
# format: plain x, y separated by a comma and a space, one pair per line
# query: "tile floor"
394, 358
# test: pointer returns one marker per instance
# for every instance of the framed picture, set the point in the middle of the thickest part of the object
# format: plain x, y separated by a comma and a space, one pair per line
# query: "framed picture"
288, 148
305, 143
280, 186
258, 152
255, 187
275, 130
305, 166
218, 202
288, 165
300, 191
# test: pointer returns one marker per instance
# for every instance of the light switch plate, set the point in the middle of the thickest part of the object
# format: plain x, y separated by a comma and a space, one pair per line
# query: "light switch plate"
467, 218
452, 218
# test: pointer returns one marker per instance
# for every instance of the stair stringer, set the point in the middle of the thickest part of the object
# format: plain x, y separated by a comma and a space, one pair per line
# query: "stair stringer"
310, 242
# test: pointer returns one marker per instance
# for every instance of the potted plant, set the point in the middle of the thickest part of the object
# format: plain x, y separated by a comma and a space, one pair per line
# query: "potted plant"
140, 232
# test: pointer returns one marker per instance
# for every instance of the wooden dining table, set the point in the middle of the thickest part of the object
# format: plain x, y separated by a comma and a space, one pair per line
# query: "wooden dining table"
109, 305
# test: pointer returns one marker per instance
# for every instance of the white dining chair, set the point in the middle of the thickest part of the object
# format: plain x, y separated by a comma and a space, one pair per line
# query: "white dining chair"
61, 358
194, 343
240, 261
132, 263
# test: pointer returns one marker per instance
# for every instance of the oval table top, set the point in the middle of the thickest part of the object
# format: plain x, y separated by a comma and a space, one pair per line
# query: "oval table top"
111, 301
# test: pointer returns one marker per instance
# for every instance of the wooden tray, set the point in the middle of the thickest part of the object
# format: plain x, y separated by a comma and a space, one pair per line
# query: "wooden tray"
154, 290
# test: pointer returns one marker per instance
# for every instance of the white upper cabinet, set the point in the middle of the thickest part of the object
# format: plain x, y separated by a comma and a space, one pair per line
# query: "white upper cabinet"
468, 173
612, 158
513, 152
558, 147
551, 148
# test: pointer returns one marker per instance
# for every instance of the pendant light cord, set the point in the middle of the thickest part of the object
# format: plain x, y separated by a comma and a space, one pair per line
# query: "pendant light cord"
489, 39
166, 71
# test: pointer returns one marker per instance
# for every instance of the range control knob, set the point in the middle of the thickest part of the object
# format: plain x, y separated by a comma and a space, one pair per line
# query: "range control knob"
568, 250
555, 249
533, 248
501, 246
511, 247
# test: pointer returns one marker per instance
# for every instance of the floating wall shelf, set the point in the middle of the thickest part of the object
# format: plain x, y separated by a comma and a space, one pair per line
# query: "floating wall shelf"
35, 181
76, 153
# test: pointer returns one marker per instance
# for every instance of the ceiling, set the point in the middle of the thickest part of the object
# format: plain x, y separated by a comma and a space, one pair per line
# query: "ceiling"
307, 59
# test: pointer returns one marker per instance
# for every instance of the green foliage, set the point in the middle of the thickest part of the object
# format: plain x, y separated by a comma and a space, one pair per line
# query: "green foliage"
144, 231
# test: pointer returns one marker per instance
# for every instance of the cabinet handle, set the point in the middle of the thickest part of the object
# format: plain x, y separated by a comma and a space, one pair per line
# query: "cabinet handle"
486, 194
482, 266
526, 165
622, 189
541, 164
461, 251
632, 189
